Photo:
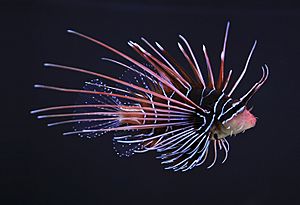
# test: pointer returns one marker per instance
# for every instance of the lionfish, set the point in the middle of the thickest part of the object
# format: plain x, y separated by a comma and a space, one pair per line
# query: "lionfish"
158, 106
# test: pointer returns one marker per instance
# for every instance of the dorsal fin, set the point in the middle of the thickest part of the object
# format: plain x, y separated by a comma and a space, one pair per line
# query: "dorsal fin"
220, 82
211, 81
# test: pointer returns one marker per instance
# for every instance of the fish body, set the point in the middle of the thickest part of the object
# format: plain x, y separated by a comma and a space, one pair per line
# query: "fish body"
158, 106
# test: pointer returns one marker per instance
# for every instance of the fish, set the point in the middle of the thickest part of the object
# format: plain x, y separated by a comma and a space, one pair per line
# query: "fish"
158, 105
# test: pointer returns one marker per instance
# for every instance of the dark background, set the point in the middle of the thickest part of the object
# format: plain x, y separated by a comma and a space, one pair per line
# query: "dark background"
40, 166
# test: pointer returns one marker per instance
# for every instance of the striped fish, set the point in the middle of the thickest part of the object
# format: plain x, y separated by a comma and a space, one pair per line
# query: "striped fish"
156, 105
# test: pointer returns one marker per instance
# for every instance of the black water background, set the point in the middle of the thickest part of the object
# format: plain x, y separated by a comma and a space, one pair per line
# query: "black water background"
40, 166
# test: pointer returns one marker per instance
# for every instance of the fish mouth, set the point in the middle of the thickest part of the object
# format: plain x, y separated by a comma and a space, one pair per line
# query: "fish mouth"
239, 123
